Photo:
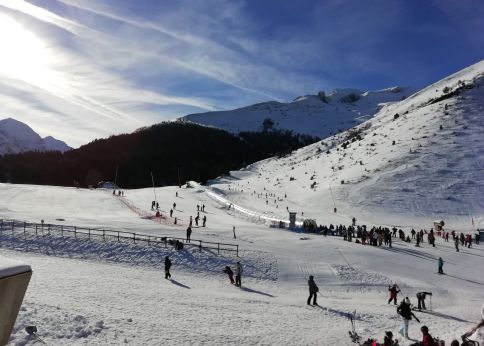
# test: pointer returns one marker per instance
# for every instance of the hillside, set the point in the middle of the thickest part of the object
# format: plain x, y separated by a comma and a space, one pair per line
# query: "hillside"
173, 151
319, 115
423, 157
17, 137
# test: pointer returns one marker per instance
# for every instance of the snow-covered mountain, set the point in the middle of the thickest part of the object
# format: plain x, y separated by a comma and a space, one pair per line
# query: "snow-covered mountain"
318, 115
423, 156
17, 137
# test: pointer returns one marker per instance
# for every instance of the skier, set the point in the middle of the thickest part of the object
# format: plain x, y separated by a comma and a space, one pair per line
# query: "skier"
204, 220
198, 207
174, 206
393, 293
196, 220
405, 311
153, 205
191, 221
203, 208
189, 233
233, 229
353, 221
441, 265
171, 212
157, 206
313, 291
167, 267
421, 299
456, 244
176, 194
230, 273
238, 275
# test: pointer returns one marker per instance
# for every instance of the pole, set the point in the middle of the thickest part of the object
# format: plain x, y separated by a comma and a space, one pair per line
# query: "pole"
153, 181
116, 176
179, 182
334, 204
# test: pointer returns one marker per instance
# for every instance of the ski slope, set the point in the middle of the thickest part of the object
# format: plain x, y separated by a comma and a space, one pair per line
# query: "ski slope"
425, 164
108, 293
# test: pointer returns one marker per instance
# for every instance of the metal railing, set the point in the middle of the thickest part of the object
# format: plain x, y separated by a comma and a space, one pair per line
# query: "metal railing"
42, 229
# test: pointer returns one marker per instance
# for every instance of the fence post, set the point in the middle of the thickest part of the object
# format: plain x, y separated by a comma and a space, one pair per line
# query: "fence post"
62, 231
13, 226
75, 232
200, 245
149, 237
104, 235
118, 236
237, 251
89, 233
134, 238
218, 248
25, 233
36, 234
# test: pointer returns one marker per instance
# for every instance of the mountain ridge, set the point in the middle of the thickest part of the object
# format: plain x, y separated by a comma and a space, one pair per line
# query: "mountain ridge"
18, 137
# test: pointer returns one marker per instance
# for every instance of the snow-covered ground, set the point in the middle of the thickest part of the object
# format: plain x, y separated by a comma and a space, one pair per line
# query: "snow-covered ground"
109, 293
407, 171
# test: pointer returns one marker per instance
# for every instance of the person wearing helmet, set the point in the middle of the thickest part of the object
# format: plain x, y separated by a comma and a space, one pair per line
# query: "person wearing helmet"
313, 290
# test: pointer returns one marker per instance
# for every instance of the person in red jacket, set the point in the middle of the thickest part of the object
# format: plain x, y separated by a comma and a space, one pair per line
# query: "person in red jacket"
393, 293
427, 339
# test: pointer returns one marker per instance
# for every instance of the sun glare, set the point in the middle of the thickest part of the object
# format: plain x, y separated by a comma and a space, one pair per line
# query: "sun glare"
23, 55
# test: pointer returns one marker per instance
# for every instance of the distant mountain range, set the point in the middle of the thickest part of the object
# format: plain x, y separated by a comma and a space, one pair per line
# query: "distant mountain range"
319, 115
17, 137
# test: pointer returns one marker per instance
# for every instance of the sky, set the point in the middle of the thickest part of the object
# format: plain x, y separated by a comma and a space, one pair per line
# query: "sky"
85, 69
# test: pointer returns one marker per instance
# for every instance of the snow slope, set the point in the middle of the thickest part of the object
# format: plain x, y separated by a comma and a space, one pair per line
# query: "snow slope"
100, 292
424, 164
317, 115
16, 137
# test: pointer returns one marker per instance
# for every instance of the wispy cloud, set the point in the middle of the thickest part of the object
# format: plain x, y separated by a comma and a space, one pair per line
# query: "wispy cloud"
98, 68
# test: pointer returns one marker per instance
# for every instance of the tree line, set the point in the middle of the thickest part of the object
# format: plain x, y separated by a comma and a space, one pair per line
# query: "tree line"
174, 151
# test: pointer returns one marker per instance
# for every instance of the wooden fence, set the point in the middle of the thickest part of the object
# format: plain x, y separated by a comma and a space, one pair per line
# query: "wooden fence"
42, 229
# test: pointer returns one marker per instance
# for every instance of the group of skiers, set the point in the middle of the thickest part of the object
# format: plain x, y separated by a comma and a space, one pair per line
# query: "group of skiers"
119, 193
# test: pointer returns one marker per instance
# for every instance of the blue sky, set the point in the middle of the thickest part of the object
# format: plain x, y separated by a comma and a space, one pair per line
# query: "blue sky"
84, 69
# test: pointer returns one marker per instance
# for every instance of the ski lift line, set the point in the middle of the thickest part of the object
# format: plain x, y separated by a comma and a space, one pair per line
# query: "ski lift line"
248, 212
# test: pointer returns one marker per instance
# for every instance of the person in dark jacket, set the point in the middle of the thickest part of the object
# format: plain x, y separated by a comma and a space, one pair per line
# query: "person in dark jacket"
313, 290
405, 311
393, 293
189, 234
167, 267
421, 299
230, 273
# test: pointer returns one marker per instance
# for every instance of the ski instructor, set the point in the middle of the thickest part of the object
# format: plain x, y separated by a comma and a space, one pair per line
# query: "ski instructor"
313, 290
